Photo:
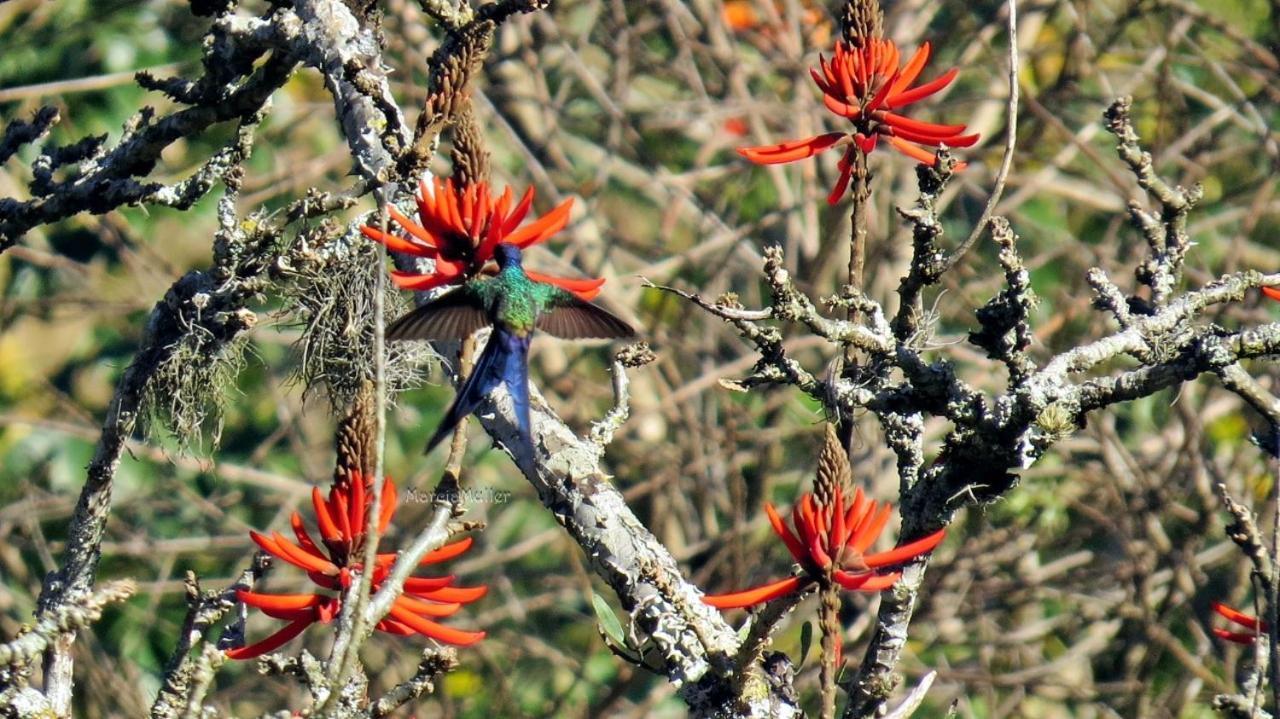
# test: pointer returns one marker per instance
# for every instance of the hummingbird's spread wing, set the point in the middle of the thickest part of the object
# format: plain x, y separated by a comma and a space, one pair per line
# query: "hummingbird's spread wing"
452, 316
578, 320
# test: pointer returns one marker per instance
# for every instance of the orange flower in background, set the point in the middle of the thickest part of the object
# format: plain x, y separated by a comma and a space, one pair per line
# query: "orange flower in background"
333, 565
735, 126
866, 85
739, 15
458, 228
830, 543
1272, 292
1253, 624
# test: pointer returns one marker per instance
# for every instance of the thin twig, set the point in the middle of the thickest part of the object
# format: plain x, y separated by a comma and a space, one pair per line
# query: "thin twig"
1010, 142
357, 625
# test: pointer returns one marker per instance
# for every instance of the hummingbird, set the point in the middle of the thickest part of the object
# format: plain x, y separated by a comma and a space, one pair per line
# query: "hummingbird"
515, 306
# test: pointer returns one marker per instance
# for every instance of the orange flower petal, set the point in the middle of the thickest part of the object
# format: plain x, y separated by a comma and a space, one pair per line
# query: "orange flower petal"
780, 528
842, 183
300, 531
818, 554
910, 72
586, 289
843, 109
412, 227
409, 281
301, 558
517, 215
914, 130
389, 504
863, 582
949, 141
271, 643
278, 601
1237, 637
468, 207
461, 595
851, 580
1238, 617
417, 585
436, 631
751, 597
915, 152
867, 534
391, 626
428, 609
854, 514
500, 208
1272, 292
328, 529
543, 228
906, 551
396, 243
267, 544
357, 504
791, 150
916, 94
343, 512
289, 607
883, 93
448, 551
840, 531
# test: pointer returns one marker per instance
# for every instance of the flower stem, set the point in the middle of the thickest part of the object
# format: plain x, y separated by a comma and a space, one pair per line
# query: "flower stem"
829, 619
860, 192
458, 444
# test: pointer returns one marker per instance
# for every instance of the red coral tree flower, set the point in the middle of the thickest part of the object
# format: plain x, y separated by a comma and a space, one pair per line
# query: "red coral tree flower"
332, 564
1253, 624
865, 85
830, 543
459, 226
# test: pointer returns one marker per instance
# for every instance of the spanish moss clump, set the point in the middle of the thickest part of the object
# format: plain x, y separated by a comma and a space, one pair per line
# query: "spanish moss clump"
188, 395
329, 294
193, 374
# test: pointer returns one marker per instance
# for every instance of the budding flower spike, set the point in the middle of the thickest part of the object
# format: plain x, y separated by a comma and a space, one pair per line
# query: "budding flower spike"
459, 227
332, 564
1253, 624
830, 543
865, 85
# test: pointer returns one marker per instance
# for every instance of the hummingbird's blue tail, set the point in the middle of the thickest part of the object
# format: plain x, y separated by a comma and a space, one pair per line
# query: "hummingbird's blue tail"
505, 360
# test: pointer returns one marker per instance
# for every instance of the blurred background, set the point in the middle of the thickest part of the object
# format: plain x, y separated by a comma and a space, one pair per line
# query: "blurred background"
1083, 593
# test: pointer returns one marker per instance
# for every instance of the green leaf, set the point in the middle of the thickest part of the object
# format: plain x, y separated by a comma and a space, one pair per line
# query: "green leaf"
608, 620
806, 642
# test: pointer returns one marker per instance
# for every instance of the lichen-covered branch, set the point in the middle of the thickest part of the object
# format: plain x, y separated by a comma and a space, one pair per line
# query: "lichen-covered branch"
637, 355
76, 612
1166, 234
927, 260
107, 178
186, 677
435, 663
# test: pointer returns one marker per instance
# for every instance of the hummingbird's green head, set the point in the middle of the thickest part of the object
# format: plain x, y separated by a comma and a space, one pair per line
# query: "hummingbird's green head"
507, 255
